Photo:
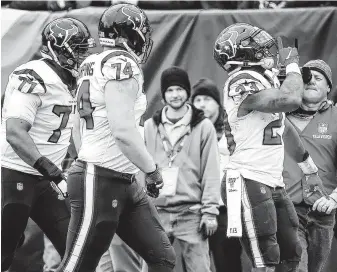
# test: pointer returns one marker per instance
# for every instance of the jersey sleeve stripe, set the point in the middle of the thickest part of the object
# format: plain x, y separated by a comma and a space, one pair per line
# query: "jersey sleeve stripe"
116, 54
231, 144
33, 74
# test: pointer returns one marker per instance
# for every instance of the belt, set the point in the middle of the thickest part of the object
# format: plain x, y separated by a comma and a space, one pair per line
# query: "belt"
105, 172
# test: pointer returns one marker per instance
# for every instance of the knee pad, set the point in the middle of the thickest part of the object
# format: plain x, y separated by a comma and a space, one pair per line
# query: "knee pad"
266, 253
293, 253
161, 262
272, 255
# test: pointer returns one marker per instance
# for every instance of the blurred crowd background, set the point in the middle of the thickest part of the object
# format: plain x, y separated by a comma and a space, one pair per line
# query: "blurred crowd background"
202, 4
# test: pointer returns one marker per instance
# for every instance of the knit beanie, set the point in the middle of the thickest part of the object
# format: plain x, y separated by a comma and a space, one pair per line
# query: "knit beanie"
207, 87
175, 76
322, 67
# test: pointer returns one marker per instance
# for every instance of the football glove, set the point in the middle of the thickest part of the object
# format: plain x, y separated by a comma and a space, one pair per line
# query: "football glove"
305, 71
154, 182
306, 75
286, 55
49, 170
60, 189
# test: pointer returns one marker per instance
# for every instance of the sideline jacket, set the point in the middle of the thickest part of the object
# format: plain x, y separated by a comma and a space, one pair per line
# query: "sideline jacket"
198, 161
320, 139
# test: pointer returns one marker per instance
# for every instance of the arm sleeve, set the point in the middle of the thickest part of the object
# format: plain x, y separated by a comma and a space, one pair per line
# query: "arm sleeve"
210, 169
22, 106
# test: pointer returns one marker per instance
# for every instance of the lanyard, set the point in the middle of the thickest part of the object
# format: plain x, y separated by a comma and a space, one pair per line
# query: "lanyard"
170, 154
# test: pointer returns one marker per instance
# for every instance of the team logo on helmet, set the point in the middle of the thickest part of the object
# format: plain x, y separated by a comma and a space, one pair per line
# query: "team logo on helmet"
61, 35
227, 47
135, 17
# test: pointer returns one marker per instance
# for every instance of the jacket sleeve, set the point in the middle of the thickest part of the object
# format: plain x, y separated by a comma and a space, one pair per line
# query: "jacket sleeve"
210, 169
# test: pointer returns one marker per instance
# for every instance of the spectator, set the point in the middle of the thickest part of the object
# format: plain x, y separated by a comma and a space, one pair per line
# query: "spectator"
226, 252
315, 122
184, 145
43, 5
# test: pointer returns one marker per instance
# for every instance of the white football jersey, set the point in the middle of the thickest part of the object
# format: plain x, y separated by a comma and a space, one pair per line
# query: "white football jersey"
98, 144
52, 124
255, 140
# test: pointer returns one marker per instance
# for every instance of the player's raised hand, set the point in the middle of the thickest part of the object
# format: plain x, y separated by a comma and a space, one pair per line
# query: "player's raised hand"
286, 55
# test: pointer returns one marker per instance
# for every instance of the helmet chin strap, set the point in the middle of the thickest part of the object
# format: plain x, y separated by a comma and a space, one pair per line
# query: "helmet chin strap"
131, 52
72, 71
53, 53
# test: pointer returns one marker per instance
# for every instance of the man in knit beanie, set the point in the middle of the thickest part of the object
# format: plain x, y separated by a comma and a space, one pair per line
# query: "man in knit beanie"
175, 76
315, 120
184, 145
206, 97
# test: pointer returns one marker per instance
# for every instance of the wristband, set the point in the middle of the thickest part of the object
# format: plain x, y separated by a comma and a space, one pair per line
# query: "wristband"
48, 169
308, 166
293, 68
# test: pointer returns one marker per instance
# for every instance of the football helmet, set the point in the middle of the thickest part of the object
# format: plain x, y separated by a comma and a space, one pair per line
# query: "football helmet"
243, 45
67, 41
127, 26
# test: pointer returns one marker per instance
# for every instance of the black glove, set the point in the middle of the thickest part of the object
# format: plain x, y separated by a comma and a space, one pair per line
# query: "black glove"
306, 75
305, 71
154, 182
286, 55
49, 170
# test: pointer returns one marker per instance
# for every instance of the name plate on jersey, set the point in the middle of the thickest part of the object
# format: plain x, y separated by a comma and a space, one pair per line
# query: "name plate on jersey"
170, 178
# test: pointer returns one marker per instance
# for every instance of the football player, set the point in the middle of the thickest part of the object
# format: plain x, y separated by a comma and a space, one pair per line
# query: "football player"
254, 103
37, 118
106, 195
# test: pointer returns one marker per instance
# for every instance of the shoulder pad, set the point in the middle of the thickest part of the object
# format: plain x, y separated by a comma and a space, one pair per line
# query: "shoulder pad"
246, 82
27, 80
119, 65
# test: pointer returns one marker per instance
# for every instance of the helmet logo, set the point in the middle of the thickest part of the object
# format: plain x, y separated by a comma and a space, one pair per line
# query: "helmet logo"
228, 46
134, 17
61, 35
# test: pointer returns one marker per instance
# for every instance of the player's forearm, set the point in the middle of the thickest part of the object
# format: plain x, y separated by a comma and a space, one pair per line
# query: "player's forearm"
133, 147
293, 87
24, 146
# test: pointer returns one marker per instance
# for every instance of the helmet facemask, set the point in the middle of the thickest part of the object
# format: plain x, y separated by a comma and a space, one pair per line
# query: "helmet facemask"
71, 56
